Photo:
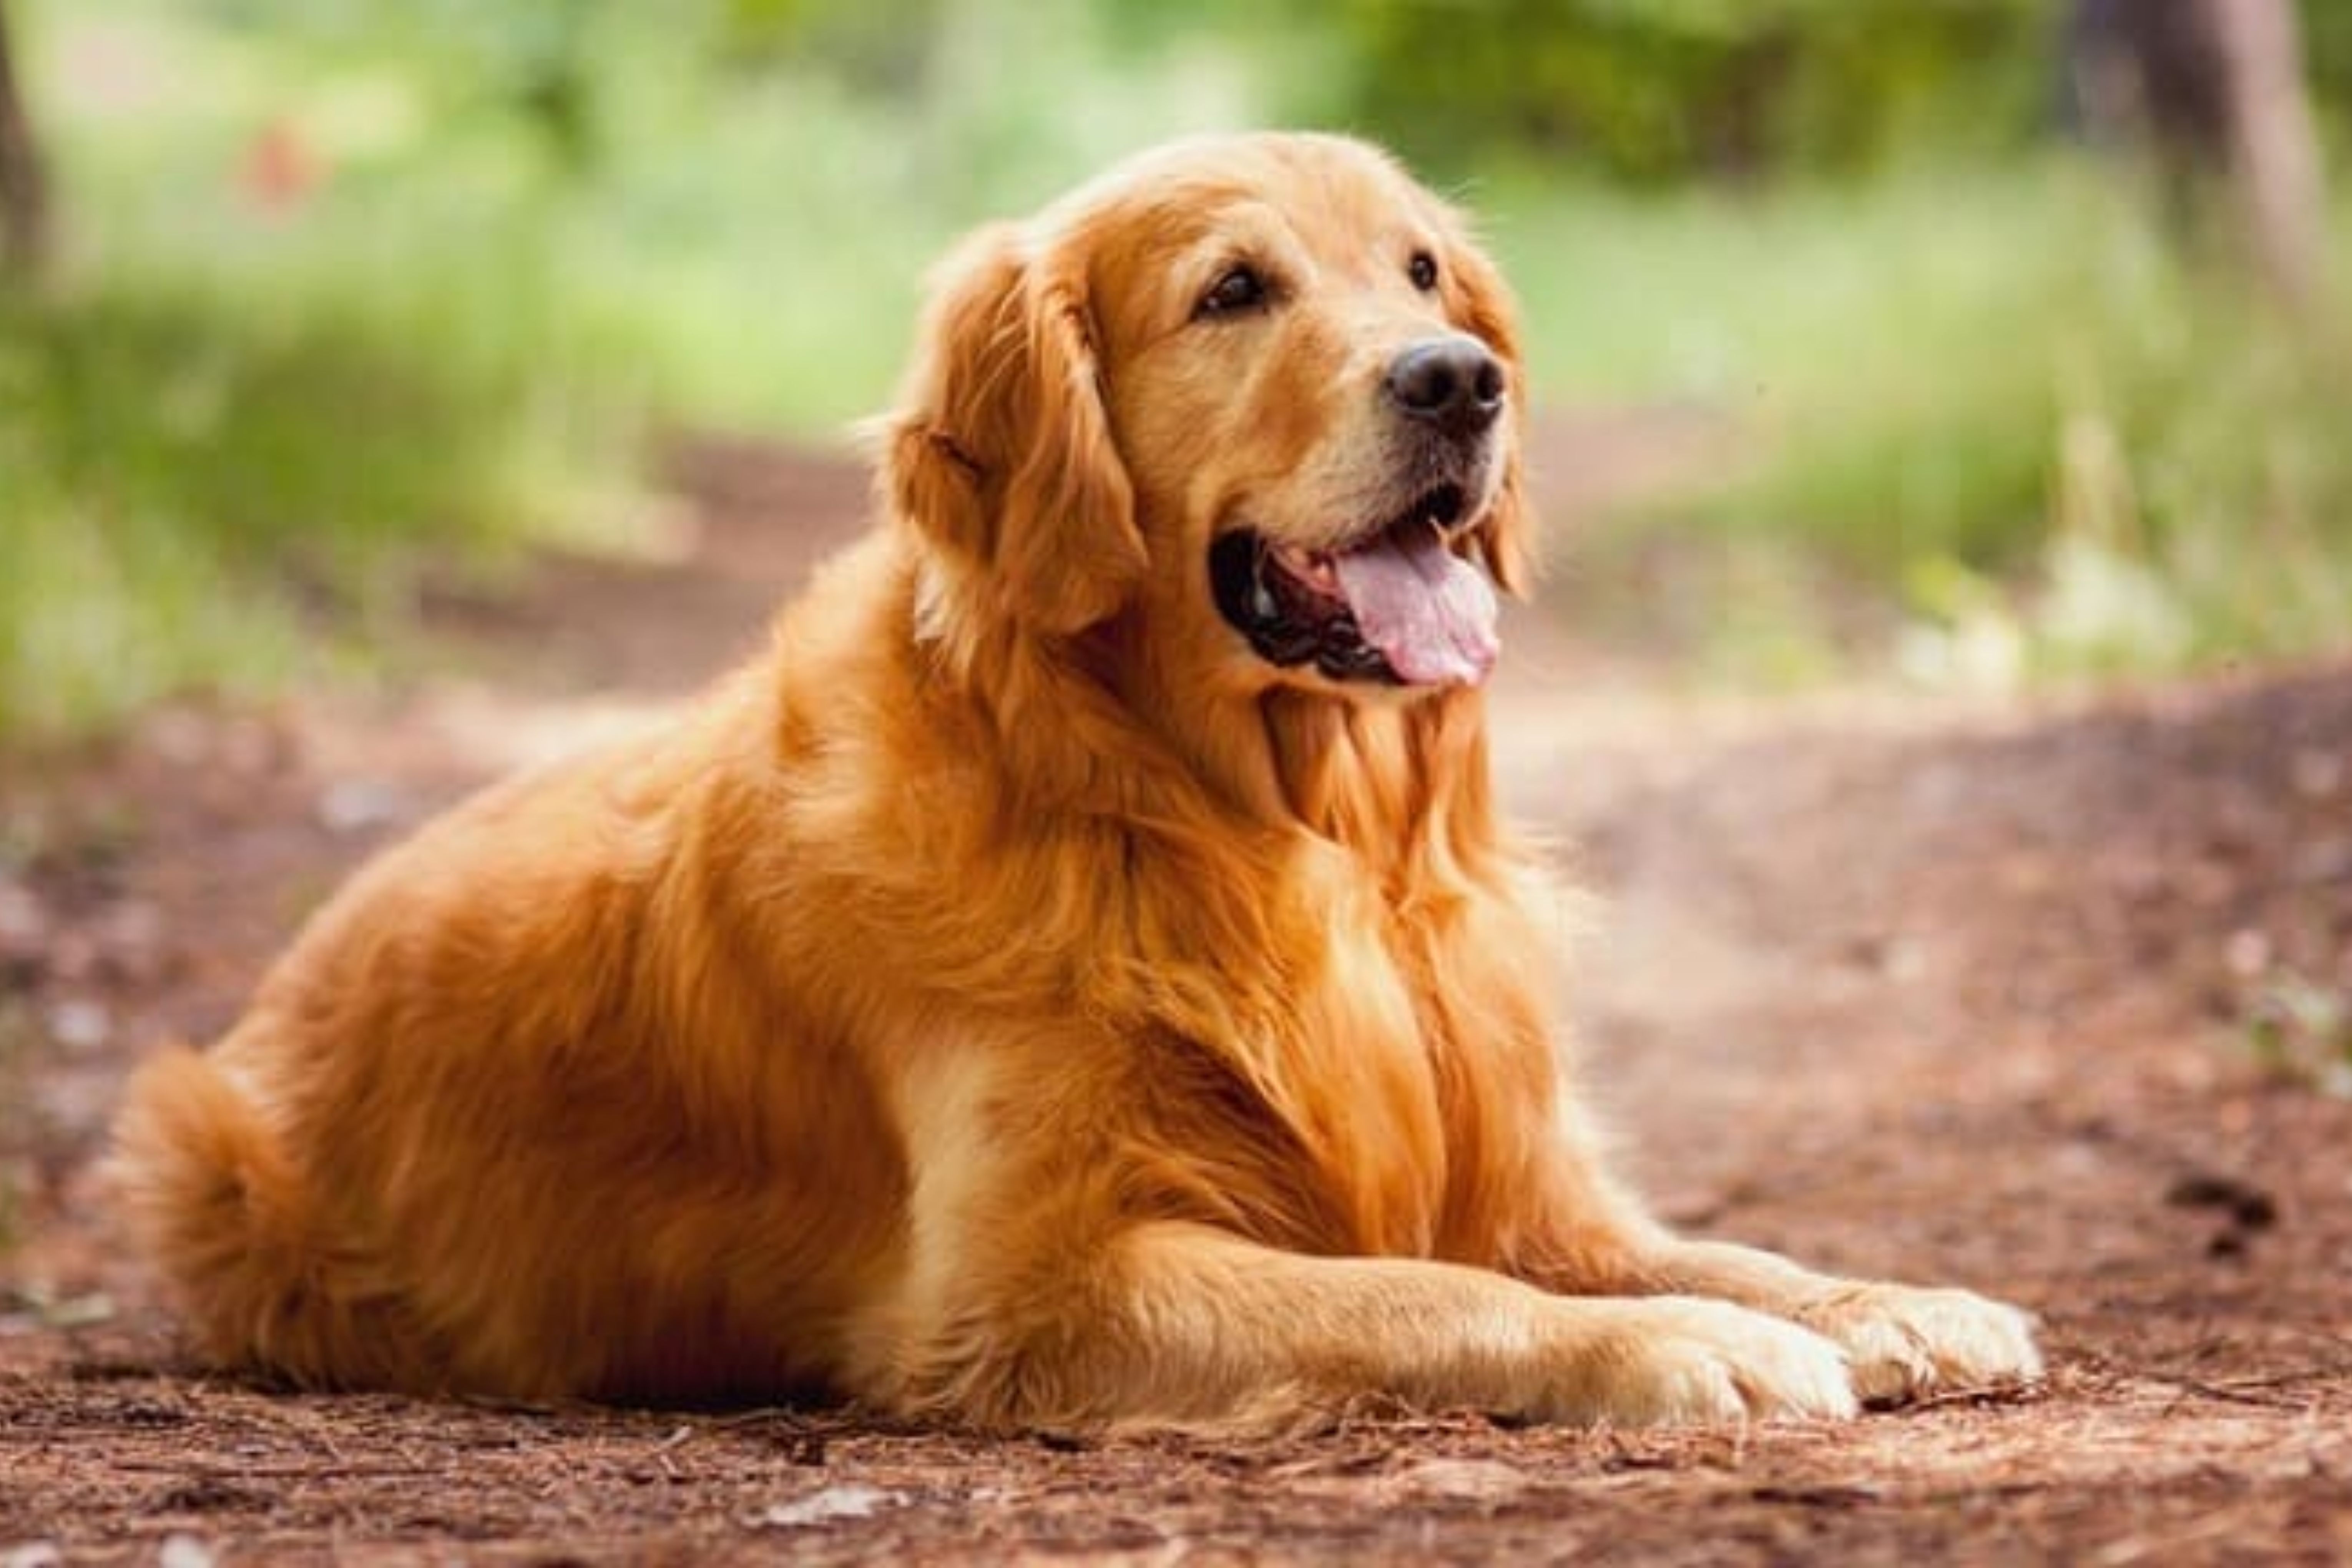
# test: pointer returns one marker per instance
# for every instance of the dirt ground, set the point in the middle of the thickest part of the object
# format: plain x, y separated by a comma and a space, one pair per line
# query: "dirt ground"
1965, 993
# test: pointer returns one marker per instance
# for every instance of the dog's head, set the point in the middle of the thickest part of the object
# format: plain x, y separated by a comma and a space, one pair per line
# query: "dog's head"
1260, 393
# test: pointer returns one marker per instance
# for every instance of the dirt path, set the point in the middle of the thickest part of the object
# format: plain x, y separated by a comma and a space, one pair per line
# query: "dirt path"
1952, 993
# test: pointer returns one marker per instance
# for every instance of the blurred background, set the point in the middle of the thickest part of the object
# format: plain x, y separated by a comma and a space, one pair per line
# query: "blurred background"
1973, 343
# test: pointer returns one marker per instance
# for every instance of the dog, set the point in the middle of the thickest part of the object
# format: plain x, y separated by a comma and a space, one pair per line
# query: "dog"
1074, 978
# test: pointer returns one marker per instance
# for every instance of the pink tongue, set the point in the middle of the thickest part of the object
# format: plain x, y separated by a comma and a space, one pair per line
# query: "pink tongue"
1428, 611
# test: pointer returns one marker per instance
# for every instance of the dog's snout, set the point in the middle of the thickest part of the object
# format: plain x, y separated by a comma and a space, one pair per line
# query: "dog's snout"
1454, 383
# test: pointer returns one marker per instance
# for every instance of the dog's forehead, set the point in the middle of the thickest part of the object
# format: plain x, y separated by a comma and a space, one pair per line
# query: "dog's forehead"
1318, 191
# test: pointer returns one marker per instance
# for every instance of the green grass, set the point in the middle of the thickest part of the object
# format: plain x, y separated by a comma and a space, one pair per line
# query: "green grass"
2001, 404
188, 463
231, 436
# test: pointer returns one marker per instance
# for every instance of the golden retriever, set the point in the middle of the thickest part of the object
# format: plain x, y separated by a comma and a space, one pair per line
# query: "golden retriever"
1073, 977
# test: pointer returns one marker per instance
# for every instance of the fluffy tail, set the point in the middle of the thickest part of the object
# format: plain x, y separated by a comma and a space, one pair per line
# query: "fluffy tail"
220, 1209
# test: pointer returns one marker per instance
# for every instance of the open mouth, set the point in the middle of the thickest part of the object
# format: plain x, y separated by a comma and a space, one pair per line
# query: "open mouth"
1397, 607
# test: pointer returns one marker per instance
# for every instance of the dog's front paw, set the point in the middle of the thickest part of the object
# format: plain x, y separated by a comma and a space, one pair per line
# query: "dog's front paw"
1676, 1361
1905, 1341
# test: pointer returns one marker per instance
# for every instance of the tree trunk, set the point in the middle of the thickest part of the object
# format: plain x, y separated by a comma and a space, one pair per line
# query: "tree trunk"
2216, 89
23, 190
2273, 149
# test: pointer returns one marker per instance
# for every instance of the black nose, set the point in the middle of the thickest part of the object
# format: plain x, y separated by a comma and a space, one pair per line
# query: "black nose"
1455, 382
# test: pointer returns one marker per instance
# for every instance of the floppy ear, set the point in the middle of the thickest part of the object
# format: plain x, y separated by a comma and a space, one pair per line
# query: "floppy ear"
1489, 311
1001, 450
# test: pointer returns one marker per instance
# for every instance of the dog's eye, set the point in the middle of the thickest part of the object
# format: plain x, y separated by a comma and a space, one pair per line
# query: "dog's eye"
1237, 288
1423, 270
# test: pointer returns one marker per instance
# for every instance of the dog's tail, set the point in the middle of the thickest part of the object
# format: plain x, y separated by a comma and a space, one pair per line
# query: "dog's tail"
210, 1193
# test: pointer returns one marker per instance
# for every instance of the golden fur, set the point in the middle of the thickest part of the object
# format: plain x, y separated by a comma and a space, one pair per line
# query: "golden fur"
1008, 999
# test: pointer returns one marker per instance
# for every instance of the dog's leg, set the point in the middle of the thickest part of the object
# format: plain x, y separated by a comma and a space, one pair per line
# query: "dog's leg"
1903, 1340
1183, 1324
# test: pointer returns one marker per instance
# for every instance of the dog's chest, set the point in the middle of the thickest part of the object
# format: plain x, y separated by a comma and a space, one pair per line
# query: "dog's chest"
1423, 1078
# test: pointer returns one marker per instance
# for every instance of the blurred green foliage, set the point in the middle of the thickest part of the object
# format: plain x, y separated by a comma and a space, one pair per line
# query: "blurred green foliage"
1659, 88
348, 287
189, 468
1641, 90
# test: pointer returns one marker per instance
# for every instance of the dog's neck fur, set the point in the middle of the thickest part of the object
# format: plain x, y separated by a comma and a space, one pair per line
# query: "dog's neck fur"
1109, 725
1275, 821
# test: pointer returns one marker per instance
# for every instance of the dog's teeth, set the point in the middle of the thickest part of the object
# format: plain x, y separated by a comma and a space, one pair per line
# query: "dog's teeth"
1262, 603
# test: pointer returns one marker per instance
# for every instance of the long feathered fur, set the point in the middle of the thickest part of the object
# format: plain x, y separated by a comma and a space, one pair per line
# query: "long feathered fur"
1002, 1000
